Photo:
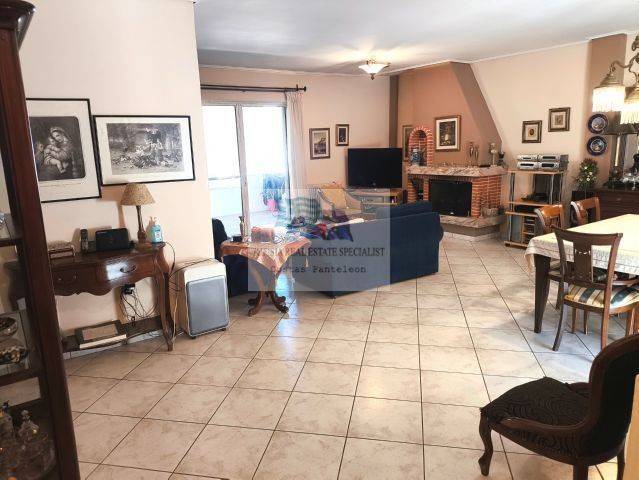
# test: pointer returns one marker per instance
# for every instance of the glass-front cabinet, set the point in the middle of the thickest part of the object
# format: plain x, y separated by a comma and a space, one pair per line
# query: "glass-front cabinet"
36, 429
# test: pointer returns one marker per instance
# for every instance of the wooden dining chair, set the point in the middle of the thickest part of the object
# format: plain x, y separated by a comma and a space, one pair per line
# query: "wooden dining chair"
580, 424
582, 288
585, 211
548, 217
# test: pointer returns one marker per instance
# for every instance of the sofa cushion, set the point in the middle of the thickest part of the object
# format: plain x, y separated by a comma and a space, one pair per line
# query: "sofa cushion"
334, 193
404, 210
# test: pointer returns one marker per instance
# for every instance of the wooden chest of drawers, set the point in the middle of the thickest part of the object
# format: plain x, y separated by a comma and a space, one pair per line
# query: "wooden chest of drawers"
617, 202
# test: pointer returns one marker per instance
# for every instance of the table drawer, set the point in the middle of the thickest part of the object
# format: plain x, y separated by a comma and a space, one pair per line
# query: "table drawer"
72, 279
127, 270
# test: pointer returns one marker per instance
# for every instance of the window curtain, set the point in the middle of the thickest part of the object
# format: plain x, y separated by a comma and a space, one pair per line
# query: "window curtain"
296, 160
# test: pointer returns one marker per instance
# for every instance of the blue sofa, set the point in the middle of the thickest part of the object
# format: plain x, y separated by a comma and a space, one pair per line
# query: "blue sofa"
400, 244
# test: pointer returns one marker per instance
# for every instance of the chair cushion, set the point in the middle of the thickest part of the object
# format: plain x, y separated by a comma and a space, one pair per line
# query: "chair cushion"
335, 194
547, 401
621, 296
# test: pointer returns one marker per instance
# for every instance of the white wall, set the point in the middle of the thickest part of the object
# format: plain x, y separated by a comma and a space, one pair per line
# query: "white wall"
331, 99
128, 57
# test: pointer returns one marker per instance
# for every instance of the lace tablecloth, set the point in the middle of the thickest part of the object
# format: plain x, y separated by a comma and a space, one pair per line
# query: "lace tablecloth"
627, 257
271, 255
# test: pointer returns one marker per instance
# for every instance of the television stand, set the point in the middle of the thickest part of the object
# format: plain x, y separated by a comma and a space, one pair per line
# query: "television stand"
373, 198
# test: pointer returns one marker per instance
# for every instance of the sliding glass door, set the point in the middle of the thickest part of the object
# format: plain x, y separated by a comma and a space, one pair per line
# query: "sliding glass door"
247, 164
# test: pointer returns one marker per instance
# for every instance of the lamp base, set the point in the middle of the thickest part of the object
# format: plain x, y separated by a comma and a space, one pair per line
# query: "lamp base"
141, 231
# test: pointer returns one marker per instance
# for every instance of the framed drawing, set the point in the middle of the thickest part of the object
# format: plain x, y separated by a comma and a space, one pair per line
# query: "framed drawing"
64, 148
559, 119
406, 129
144, 148
342, 134
448, 133
531, 131
320, 142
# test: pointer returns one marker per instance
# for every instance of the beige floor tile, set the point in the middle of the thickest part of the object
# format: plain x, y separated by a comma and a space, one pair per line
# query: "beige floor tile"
299, 455
407, 286
391, 355
477, 279
179, 476
491, 339
484, 319
130, 398
523, 304
401, 315
83, 391
509, 364
155, 445
148, 345
392, 333
337, 351
439, 302
444, 336
236, 346
443, 463
308, 311
328, 378
472, 290
110, 364
72, 365
351, 313
357, 298
161, 367
497, 386
109, 472
271, 374
534, 467
543, 342
86, 469
97, 435
453, 426
391, 383
489, 304
189, 403
382, 419
298, 327
251, 408
374, 459
185, 345
219, 371
454, 388
436, 289
449, 318
463, 269
465, 258
312, 297
439, 277
317, 413
608, 471
226, 452
285, 348
253, 325
385, 299
342, 330
448, 359
566, 367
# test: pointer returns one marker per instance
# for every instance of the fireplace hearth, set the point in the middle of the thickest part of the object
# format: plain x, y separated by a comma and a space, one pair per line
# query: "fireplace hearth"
451, 197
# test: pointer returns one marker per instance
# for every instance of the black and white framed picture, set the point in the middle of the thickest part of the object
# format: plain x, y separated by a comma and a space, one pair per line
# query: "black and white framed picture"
448, 133
320, 142
559, 119
64, 148
342, 134
531, 131
144, 148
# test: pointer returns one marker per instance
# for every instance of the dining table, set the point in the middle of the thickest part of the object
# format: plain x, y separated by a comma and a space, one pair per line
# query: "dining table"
544, 248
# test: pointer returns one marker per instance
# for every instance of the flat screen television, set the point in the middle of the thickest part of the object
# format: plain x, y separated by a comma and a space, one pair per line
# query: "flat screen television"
375, 167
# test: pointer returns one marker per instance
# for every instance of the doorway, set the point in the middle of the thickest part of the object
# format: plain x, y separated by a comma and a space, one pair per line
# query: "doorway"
247, 164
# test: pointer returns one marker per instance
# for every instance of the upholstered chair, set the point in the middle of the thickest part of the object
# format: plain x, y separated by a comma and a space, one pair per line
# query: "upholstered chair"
336, 203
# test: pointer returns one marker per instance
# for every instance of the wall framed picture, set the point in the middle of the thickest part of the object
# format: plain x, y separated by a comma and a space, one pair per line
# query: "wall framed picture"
320, 142
448, 133
559, 119
64, 148
531, 131
406, 129
342, 134
144, 148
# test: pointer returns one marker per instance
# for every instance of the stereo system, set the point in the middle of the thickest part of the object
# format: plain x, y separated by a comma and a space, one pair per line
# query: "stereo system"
552, 162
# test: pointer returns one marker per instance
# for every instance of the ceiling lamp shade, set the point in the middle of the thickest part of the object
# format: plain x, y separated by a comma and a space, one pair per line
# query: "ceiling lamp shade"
373, 68
630, 109
609, 96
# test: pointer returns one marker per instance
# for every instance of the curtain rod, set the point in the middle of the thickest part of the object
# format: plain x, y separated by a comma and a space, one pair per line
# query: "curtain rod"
246, 88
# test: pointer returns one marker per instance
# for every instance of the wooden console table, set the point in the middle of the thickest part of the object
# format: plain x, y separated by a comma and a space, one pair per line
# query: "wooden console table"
100, 272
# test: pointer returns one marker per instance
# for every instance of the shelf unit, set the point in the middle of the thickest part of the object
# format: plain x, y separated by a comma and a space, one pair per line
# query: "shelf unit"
521, 226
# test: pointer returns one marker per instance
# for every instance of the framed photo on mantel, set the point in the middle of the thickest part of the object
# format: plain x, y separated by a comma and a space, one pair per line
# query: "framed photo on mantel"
144, 148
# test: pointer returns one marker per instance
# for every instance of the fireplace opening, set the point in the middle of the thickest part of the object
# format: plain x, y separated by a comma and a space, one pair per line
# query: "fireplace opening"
450, 197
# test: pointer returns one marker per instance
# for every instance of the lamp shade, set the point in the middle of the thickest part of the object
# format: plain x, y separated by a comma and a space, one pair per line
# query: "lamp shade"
630, 109
609, 96
373, 68
136, 194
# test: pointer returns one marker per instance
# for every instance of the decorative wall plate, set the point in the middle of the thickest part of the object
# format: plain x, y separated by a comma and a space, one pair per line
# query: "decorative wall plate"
596, 145
597, 123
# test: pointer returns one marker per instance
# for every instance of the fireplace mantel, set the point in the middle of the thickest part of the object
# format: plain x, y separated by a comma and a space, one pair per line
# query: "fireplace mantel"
456, 170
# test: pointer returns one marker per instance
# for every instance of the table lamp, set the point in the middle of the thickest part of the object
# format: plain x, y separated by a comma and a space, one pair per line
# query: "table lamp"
137, 194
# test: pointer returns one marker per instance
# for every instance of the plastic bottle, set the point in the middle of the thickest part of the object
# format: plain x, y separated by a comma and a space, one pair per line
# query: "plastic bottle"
155, 231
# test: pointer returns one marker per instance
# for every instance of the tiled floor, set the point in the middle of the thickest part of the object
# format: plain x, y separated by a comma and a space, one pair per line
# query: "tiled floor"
379, 384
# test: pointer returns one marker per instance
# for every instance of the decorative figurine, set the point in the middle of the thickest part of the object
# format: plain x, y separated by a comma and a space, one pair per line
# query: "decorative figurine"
416, 157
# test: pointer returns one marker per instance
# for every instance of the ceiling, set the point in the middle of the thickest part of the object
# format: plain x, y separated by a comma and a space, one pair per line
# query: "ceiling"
335, 36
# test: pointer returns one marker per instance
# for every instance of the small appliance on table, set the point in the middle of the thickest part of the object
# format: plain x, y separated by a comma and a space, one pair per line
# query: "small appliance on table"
271, 256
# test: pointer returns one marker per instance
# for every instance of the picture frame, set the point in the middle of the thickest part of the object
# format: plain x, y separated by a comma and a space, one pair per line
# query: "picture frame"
144, 148
448, 133
342, 134
559, 119
64, 149
406, 131
531, 131
319, 143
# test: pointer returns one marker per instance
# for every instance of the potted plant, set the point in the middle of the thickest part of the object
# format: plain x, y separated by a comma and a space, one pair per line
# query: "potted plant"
586, 178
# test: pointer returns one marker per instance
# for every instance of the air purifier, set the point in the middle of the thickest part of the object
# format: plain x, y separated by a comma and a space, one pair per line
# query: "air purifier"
200, 301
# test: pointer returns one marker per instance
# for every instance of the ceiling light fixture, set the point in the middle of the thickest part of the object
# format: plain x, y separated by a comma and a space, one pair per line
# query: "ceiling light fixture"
373, 68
